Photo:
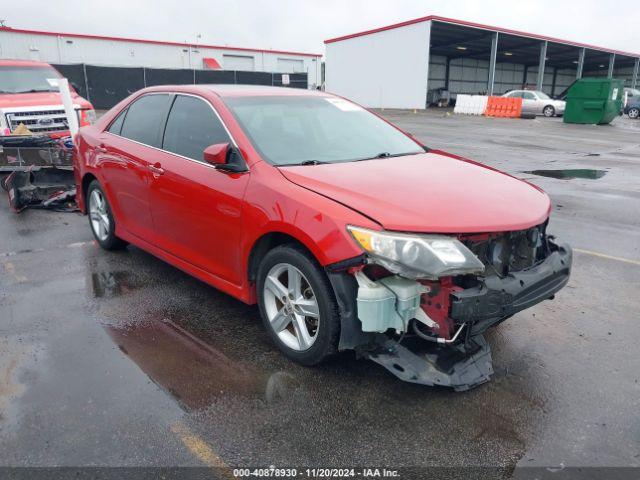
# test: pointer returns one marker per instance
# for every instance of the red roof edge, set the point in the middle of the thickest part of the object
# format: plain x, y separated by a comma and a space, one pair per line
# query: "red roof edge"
481, 26
154, 42
380, 29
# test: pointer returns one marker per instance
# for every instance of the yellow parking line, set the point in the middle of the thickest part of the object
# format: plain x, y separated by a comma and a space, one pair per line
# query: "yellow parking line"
608, 257
199, 448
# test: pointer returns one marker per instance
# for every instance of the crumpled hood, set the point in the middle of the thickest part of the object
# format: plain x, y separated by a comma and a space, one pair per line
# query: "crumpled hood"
430, 192
38, 99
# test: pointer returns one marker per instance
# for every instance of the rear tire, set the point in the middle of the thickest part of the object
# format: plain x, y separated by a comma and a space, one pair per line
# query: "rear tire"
101, 221
297, 305
633, 113
549, 111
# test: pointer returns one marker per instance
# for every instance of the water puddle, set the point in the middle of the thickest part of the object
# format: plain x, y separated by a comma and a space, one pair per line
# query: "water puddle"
192, 371
112, 284
568, 174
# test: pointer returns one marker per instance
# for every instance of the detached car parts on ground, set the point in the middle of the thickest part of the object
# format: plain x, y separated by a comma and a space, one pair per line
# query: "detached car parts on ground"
345, 231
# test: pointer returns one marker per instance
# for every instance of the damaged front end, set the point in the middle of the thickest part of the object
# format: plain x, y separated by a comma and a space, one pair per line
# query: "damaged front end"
41, 172
419, 304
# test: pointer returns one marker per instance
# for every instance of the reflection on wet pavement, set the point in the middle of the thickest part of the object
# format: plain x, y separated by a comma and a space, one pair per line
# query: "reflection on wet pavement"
210, 353
111, 284
190, 370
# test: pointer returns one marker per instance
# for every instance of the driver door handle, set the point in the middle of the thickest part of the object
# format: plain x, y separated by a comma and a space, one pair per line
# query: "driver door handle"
156, 169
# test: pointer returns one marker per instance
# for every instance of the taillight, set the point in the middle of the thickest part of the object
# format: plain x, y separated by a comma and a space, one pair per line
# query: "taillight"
87, 117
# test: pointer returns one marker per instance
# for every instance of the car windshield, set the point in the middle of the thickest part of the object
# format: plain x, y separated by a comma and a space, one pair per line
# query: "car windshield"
543, 96
16, 79
290, 130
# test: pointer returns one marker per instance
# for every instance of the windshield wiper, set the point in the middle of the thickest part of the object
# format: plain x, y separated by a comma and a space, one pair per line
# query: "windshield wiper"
311, 162
386, 155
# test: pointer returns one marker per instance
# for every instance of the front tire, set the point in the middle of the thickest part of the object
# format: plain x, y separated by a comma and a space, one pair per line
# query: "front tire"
633, 113
549, 111
297, 305
101, 220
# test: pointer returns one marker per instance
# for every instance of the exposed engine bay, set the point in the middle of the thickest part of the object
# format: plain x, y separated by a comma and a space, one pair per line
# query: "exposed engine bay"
422, 314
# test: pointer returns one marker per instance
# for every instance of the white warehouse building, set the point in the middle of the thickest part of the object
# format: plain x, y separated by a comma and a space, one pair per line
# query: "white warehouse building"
73, 48
396, 66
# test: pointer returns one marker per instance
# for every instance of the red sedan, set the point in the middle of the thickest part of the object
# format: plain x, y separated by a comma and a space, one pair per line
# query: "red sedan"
347, 232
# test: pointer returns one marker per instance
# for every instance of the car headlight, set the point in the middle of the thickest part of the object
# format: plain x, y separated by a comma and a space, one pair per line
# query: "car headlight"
417, 256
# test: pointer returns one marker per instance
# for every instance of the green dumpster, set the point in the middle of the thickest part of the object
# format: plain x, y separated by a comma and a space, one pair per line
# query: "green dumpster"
594, 101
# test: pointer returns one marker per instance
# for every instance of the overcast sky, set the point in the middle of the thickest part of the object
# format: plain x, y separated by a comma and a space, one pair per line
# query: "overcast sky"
302, 25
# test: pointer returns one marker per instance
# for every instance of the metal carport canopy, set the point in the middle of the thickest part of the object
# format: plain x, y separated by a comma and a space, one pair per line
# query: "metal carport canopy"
453, 39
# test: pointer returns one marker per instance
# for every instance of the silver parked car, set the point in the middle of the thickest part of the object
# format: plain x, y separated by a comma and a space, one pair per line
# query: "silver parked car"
537, 102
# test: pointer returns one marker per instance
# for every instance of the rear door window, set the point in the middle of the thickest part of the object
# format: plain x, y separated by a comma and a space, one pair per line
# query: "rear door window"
145, 119
191, 127
528, 96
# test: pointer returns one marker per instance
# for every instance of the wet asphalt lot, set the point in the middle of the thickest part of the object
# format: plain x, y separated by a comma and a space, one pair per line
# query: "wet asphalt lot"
118, 359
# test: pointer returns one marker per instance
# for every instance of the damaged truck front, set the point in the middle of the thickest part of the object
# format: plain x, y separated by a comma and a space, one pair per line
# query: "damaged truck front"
419, 304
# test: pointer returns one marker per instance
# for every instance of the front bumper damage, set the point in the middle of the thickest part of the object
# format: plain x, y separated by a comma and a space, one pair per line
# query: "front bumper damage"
496, 299
462, 361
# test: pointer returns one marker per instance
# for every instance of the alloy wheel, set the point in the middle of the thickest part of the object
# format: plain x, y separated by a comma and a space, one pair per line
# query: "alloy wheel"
634, 113
549, 111
291, 306
98, 215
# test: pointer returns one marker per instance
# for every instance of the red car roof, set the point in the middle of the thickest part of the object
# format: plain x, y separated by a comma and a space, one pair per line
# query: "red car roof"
223, 90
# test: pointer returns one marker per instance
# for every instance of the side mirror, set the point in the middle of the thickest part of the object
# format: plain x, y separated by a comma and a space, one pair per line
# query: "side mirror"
224, 157
216, 154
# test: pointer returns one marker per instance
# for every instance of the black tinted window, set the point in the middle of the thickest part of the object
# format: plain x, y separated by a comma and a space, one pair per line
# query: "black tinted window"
192, 126
145, 119
116, 126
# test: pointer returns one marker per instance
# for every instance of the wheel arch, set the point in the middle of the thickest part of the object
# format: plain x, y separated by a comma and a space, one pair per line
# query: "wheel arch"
266, 242
86, 181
